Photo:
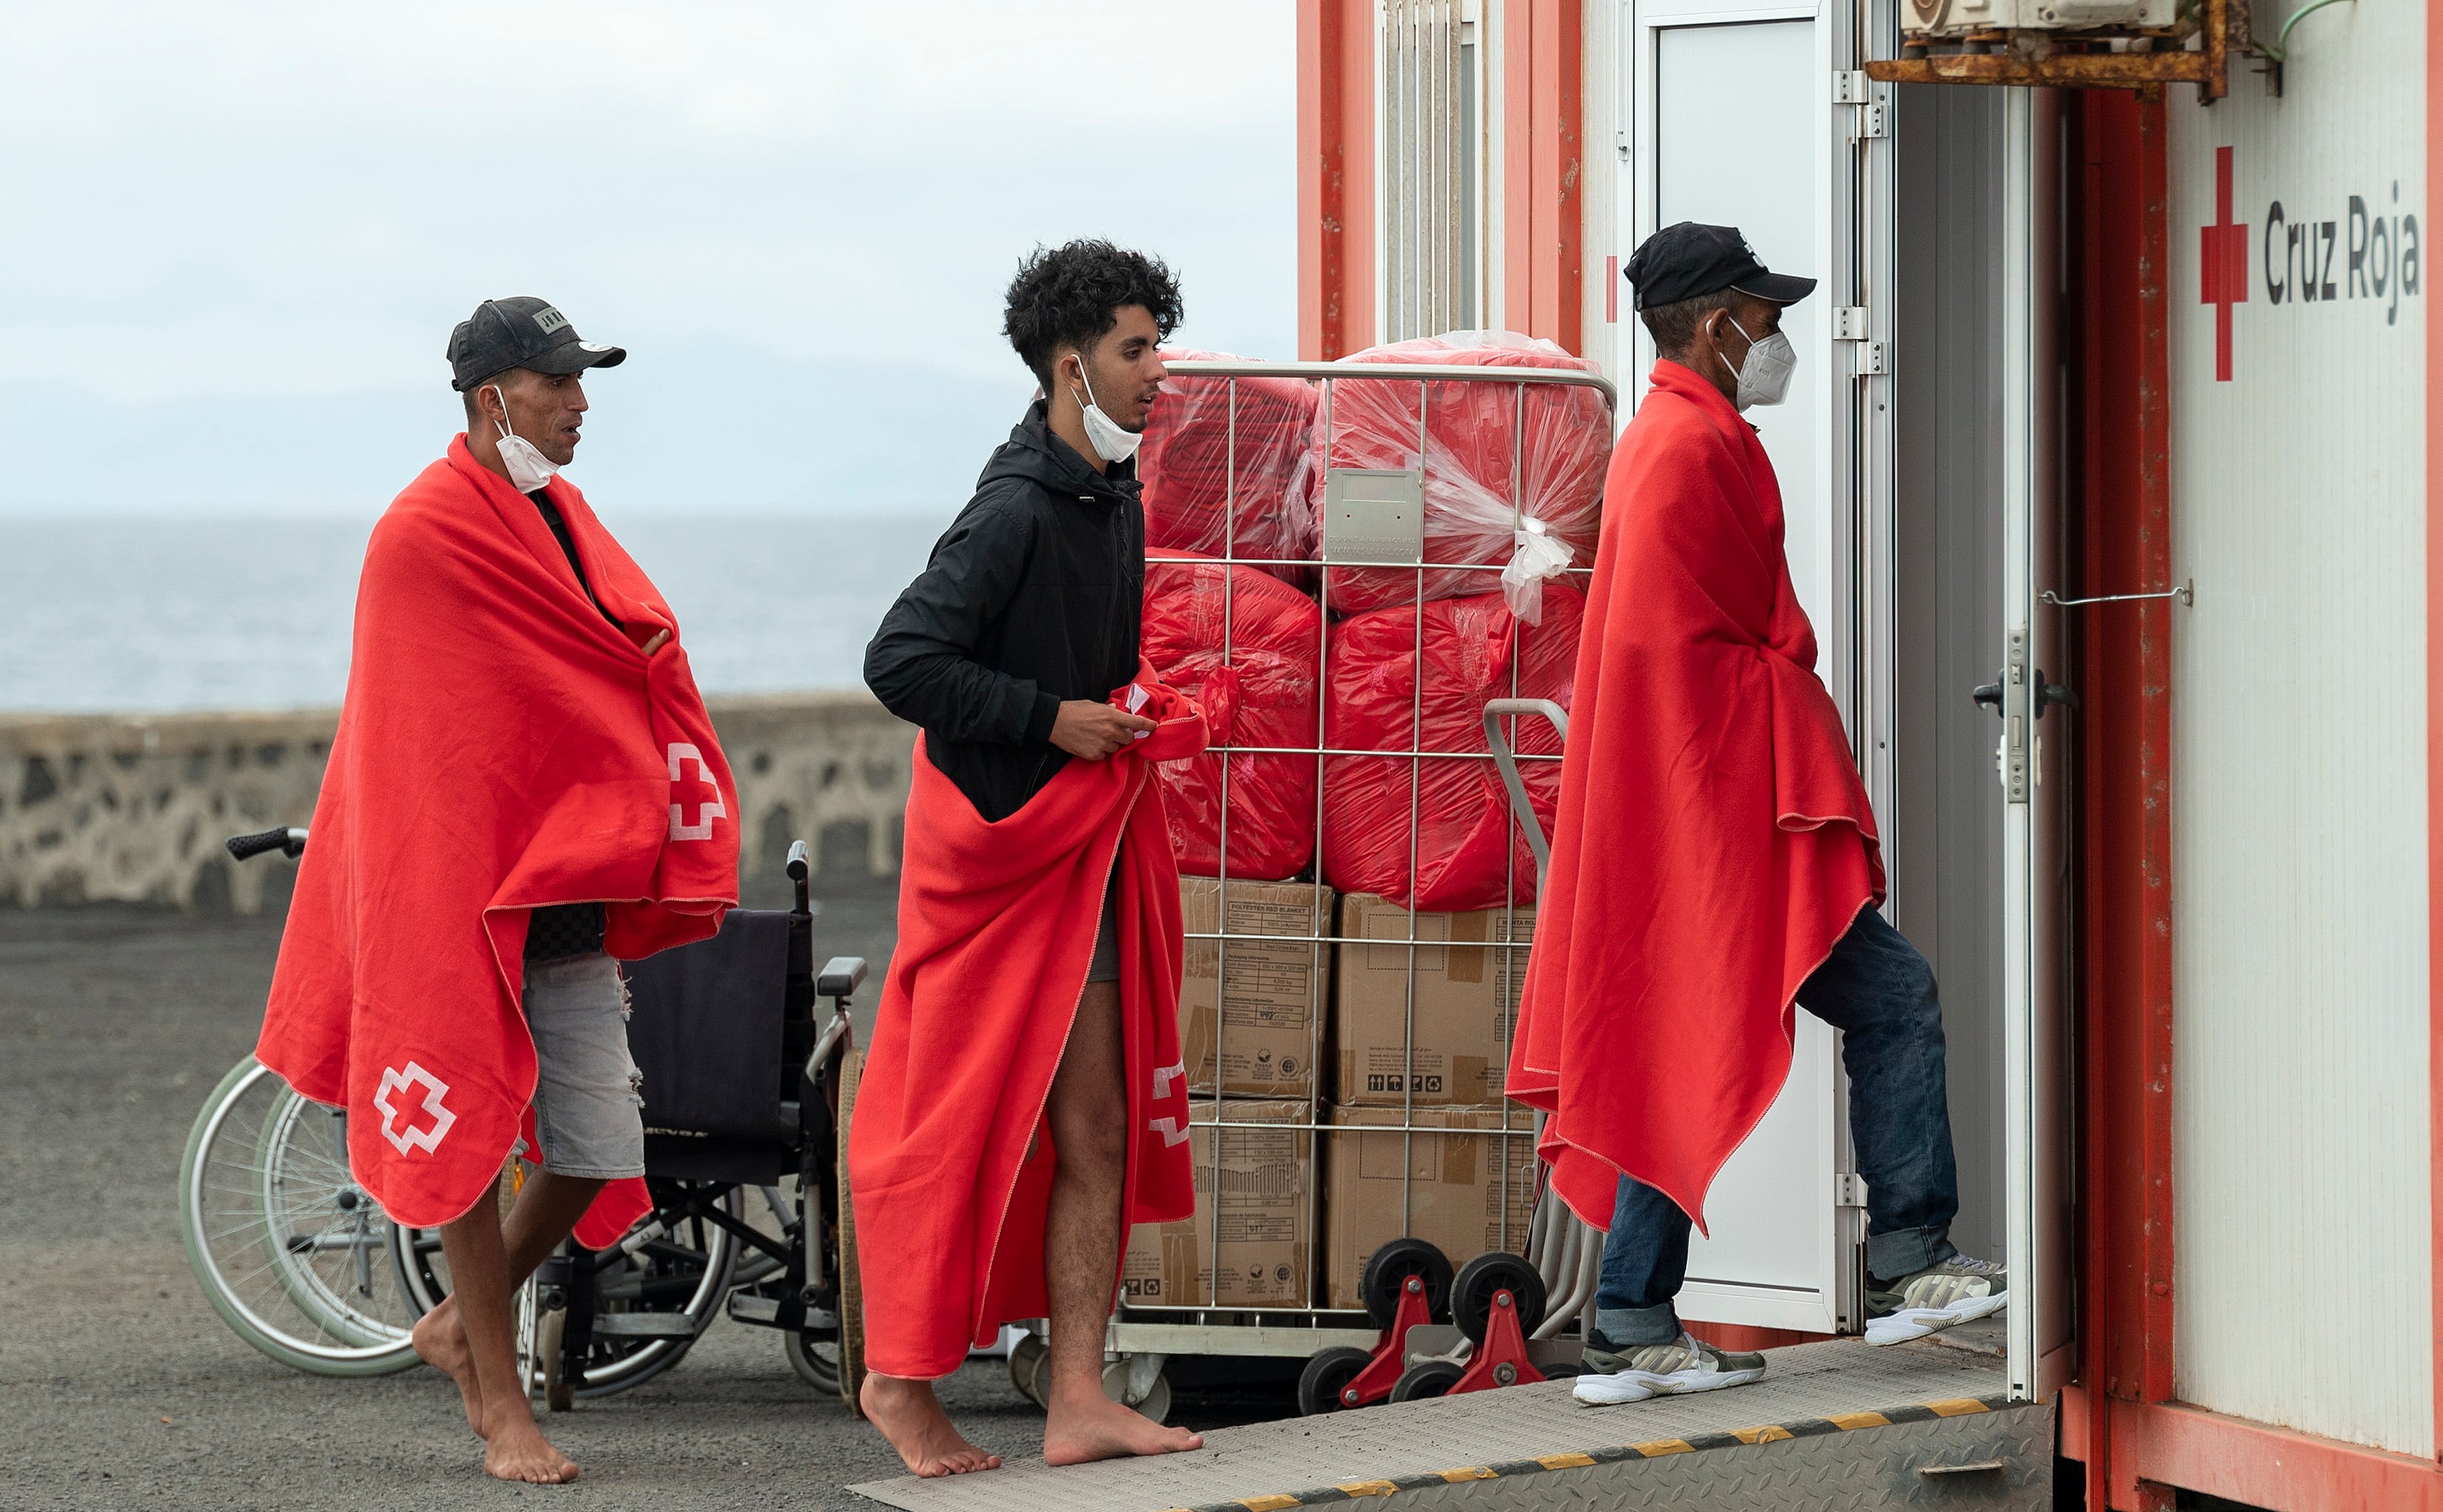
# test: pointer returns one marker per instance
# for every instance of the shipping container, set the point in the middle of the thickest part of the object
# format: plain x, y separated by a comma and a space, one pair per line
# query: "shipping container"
2113, 395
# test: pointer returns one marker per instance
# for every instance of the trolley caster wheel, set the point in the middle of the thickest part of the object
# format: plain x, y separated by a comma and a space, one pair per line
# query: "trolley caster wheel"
1119, 1378
1026, 1359
1327, 1375
1428, 1377
1496, 1270
1394, 1263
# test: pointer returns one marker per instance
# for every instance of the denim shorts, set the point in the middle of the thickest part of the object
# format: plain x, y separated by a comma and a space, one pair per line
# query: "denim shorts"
589, 1108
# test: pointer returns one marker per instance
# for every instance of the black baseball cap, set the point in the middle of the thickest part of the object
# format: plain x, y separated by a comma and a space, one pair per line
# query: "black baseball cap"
1686, 261
520, 333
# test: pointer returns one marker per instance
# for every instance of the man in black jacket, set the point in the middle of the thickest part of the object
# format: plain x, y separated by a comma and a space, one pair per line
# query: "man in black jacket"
1005, 650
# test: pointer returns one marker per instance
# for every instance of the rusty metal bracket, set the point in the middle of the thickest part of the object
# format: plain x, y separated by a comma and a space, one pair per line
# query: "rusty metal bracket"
2045, 59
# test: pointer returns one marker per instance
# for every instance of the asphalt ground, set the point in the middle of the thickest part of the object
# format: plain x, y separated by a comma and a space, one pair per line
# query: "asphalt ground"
120, 1388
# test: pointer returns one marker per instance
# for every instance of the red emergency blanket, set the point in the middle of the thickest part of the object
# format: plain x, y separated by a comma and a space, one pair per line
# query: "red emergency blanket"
1468, 854
1482, 439
502, 747
1203, 492
1262, 694
950, 1163
1715, 842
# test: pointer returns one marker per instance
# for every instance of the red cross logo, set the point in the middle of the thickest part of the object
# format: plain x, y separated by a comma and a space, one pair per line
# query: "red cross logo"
395, 1080
2222, 264
707, 809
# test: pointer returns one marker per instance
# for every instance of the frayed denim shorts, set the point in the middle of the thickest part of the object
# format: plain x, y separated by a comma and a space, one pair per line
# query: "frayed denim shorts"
588, 1100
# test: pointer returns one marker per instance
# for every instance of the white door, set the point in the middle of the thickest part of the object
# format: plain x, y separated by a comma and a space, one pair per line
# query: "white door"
2033, 762
1732, 120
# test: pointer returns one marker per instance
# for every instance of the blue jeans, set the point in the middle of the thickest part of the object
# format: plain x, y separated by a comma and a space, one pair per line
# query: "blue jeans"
1878, 992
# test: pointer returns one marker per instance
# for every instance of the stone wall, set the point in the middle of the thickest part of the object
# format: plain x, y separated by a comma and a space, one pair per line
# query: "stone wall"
98, 809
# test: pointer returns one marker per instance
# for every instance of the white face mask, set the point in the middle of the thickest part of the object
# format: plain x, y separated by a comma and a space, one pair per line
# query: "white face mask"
1109, 441
1764, 377
528, 469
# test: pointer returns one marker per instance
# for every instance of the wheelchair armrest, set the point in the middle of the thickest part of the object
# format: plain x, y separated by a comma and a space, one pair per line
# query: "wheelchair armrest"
840, 976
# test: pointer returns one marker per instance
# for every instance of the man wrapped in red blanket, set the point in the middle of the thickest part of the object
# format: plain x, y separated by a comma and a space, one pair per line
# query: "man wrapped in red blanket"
1715, 862
524, 790
1023, 1099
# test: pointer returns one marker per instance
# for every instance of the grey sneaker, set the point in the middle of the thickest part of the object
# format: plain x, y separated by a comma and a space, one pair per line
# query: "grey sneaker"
1928, 1301
1687, 1364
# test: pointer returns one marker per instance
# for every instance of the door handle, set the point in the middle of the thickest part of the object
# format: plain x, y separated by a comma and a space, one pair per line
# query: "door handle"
1988, 694
2050, 693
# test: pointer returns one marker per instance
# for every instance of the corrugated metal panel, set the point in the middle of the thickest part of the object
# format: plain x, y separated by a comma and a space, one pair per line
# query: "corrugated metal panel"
1422, 167
2302, 1142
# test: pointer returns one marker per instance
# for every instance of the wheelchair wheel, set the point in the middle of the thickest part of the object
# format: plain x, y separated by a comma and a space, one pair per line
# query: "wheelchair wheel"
653, 1296
288, 1247
815, 1360
852, 1286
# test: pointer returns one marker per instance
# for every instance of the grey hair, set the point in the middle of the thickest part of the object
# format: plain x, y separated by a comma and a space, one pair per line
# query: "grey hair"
1673, 326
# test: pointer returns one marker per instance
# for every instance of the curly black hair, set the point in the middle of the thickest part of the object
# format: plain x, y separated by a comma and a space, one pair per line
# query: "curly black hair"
1071, 296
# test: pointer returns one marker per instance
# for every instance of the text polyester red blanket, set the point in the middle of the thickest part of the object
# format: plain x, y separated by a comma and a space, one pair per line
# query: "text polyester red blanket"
949, 1164
1714, 840
502, 747
1469, 852
1245, 647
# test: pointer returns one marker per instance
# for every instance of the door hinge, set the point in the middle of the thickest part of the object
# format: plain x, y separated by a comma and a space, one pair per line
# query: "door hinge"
1850, 322
1850, 87
1870, 359
1848, 1190
1870, 123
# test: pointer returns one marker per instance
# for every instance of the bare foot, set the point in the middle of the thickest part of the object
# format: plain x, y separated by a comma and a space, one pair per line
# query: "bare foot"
515, 1450
441, 1339
911, 1418
1090, 1425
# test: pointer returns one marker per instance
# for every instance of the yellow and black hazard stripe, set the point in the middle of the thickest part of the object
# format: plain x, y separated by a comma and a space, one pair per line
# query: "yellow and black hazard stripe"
1651, 1450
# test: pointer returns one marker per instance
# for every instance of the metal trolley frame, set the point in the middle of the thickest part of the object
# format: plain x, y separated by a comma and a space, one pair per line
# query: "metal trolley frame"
1559, 1247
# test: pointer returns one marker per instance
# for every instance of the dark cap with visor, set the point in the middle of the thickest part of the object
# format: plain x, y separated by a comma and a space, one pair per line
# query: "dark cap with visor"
520, 333
1688, 261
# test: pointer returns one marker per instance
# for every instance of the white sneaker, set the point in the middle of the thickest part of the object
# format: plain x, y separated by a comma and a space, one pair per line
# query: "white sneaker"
1925, 1301
1687, 1364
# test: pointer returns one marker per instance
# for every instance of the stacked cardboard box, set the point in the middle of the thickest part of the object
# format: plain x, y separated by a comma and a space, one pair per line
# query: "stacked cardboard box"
1255, 1166
1469, 970
1461, 1178
1256, 1036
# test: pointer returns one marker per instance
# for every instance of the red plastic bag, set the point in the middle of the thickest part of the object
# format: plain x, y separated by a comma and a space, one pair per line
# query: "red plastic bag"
1194, 501
1473, 446
1468, 854
1264, 696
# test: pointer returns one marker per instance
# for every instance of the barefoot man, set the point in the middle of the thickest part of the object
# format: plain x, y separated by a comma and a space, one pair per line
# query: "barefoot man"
1022, 1102
524, 790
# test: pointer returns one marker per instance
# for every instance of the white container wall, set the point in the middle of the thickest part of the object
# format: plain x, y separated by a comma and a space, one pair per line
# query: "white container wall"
2301, 1133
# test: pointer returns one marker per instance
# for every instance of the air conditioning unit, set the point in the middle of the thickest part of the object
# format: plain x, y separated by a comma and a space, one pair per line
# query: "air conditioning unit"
1924, 20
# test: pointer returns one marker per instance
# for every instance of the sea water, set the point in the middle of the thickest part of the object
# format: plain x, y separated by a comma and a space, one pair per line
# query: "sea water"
145, 616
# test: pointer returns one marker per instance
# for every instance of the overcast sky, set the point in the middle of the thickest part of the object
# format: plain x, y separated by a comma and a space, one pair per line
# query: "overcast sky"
233, 238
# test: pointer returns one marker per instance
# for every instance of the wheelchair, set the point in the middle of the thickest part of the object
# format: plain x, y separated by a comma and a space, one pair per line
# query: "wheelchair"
747, 1087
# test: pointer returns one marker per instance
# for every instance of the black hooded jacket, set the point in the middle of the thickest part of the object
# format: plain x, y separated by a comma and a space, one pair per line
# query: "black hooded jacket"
1032, 597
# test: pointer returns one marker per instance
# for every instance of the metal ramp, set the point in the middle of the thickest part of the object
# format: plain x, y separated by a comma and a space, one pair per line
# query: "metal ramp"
1834, 1425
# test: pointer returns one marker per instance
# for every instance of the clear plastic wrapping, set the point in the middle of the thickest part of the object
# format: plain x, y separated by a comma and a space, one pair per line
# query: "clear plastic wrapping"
1192, 502
1264, 695
1468, 854
1555, 440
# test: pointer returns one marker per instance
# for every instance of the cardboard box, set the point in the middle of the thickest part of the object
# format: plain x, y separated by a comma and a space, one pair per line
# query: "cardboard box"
1455, 1195
1264, 996
1261, 1217
1469, 969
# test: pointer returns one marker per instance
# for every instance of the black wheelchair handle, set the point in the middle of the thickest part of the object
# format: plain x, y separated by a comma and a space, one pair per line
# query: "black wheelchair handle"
285, 838
797, 860
840, 976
